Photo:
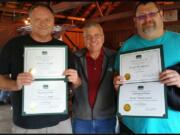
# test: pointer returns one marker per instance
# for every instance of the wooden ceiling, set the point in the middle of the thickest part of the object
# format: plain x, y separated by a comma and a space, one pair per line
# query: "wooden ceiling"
77, 12
66, 12
115, 15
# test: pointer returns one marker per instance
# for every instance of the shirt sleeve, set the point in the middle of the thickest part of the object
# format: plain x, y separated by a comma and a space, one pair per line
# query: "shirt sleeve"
173, 93
5, 57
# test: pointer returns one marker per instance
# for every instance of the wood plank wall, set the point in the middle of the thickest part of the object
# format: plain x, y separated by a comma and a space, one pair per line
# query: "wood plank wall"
73, 38
114, 39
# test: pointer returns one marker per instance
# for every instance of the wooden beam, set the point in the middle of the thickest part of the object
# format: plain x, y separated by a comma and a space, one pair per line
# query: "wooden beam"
70, 17
62, 6
113, 17
130, 13
20, 11
69, 39
99, 8
111, 7
88, 10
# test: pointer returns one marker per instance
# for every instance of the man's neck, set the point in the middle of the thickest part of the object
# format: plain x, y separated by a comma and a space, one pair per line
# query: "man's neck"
39, 38
94, 55
149, 37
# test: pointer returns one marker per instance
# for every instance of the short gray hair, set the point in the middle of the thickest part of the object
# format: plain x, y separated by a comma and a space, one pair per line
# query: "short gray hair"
41, 4
93, 24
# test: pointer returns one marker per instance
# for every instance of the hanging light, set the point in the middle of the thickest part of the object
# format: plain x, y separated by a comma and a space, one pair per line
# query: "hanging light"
27, 21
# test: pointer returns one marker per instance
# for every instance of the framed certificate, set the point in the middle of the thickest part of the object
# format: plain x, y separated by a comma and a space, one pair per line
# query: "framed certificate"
142, 94
141, 66
45, 97
45, 62
47, 94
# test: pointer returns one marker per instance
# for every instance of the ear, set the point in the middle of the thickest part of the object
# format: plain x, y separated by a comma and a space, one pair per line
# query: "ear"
103, 38
161, 13
30, 20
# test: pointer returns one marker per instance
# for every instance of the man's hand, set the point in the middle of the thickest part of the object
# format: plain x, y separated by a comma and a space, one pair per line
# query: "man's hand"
73, 77
170, 78
25, 78
117, 81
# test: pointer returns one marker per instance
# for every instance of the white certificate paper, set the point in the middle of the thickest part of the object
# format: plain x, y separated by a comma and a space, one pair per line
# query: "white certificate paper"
45, 62
142, 94
142, 99
45, 97
142, 66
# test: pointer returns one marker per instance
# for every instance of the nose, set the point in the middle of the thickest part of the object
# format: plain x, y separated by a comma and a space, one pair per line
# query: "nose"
148, 18
93, 39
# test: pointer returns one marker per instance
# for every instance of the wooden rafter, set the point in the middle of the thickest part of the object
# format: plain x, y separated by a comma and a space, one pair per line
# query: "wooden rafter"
21, 11
111, 7
63, 6
88, 10
113, 17
129, 13
76, 10
100, 9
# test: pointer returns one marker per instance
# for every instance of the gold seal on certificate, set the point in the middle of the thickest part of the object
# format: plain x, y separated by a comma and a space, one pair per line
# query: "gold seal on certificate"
127, 76
127, 107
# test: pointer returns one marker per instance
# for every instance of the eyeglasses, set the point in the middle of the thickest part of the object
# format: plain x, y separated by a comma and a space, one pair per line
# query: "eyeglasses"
96, 36
150, 14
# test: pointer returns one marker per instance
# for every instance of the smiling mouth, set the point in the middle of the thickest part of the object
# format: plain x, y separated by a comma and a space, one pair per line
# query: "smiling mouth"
149, 24
43, 29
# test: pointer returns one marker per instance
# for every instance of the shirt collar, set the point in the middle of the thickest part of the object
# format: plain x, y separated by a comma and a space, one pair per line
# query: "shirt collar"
100, 55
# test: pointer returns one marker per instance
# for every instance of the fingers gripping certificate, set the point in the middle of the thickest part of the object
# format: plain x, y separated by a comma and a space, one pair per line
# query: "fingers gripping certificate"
47, 94
142, 94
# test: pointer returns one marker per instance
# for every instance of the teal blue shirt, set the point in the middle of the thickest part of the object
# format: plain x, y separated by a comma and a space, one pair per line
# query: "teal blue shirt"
171, 47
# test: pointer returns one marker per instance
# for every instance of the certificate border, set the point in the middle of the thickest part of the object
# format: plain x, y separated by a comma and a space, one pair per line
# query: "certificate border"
165, 93
48, 79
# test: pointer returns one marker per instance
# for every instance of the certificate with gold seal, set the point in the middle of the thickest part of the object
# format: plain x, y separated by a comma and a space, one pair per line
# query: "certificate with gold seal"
142, 99
47, 94
142, 94
141, 66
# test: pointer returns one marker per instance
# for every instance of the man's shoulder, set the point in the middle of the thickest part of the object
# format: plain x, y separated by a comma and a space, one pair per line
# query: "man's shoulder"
58, 42
20, 37
129, 43
17, 40
109, 51
132, 38
80, 52
173, 34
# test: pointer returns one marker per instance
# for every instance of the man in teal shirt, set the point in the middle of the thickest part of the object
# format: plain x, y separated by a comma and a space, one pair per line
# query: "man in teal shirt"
149, 23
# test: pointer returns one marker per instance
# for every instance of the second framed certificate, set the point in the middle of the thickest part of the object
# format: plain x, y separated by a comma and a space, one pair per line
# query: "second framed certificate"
142, 94
45, 97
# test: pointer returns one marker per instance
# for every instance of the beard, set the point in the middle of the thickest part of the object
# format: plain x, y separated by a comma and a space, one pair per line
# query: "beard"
149, 27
